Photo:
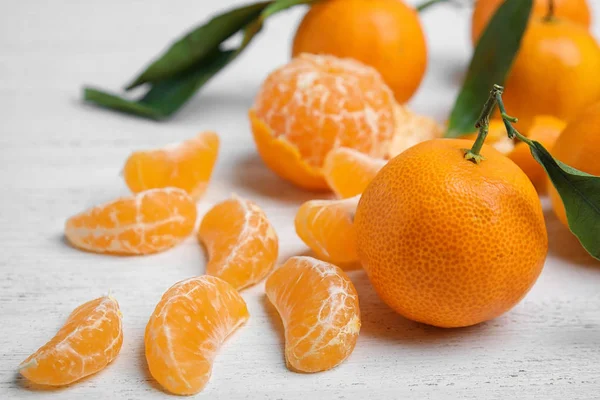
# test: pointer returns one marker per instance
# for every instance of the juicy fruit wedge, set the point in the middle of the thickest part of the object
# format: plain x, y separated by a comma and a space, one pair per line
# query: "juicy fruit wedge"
186, 330
148, 222
90, 339
348, 171
187, 165
318, 305
327, 227
241, 243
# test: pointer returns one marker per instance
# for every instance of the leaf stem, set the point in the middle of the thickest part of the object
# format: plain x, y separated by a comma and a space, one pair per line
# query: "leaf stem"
483, 124
550, 14
426, 4
508, 121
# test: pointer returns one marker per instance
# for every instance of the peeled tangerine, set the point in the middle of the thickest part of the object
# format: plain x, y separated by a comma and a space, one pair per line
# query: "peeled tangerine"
187, 165
318, 305
241, 242
186, 330
148, 222
327, 227
317, 103
89, 341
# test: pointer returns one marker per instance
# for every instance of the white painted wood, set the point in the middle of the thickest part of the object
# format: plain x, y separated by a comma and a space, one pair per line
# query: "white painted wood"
58, 156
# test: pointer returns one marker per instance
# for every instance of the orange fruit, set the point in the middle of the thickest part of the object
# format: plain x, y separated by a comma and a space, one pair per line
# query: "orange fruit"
348, 172
545, 129
318, 305
89, 341
577, 11
579, 147
315, 104
327, 227
187, 165
385, 34
448, 242
412, 128
496, 137
186, 330
148, 222
241, 243
555, 72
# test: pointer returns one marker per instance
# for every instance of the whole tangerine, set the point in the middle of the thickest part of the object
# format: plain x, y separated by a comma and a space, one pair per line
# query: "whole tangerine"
385, 34
577, 11
314, 104
579, 147
449, 242
555, 72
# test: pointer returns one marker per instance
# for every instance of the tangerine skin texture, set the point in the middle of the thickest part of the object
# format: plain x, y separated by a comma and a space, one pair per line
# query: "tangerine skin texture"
314, 104
579, 147
186, 330
577, 11
555, 73
318, 305
89, 341
447, 242
385, 34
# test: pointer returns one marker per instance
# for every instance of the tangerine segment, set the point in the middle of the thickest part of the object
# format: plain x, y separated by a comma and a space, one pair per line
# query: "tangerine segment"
318, 305
545, 129
89, 340
187, 165
348, 171
186, 330
317, 103
241, 242
327, 227
148, 222
283, 158
411, 129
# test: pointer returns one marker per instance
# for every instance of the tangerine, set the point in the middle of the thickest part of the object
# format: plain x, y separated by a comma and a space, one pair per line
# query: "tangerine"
318, 305
577, 11
412, 128
315, 104
186, 330
385, 34
579, 147
241, 242
555, 72
449, 242
148, 222
187, 165
89, 341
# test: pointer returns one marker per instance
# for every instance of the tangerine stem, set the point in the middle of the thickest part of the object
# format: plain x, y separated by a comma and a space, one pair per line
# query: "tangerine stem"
483, 125
550, 14
508, 121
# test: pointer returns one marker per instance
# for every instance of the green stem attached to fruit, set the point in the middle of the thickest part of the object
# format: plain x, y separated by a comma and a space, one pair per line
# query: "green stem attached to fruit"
482, 125
550, 15
429, 3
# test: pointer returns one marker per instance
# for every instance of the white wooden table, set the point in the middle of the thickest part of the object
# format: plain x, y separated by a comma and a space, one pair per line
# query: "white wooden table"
58, 156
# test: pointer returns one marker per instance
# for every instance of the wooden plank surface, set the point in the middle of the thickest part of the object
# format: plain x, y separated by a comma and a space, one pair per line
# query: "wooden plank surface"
58, 156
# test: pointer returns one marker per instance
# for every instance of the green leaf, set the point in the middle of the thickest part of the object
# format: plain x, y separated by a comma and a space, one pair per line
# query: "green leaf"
200, 43
173, 87
580, 193
490, 64
165, 97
